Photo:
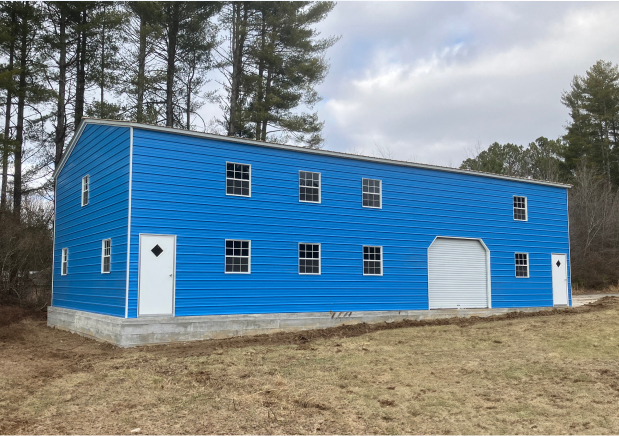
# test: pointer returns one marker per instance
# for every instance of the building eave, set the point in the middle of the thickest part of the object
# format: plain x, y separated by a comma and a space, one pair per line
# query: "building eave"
339, 154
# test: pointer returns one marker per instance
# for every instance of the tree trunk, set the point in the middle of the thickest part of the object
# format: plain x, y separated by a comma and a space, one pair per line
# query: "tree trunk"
260, 94
61, 122
102, 83
239, 33
19, 133
172, 37
141, 71
81, 72
266, 99
7, 125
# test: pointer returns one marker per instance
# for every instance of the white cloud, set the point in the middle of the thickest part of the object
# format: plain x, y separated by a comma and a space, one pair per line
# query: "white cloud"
430, 80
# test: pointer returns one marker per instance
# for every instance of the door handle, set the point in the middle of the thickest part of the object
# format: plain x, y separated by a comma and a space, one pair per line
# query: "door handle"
170, 275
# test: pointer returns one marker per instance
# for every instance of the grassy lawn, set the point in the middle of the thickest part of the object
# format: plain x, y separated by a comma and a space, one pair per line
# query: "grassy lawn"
557, 373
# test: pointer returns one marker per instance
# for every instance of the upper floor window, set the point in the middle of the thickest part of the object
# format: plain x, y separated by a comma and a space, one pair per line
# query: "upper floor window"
522, 264
238, 179
309, 187
106, 256
309, 258
372, 261
520, 208
85, 189
238, 256
64, 264
372, 193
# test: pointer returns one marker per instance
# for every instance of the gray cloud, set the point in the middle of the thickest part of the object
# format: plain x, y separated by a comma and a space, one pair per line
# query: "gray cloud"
431, 80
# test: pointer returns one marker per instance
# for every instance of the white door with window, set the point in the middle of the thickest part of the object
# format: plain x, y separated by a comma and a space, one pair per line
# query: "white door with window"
559, 279
458, 274
157, 267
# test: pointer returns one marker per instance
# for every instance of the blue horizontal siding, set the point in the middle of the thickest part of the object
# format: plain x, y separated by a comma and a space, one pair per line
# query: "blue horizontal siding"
178, 188
103, 153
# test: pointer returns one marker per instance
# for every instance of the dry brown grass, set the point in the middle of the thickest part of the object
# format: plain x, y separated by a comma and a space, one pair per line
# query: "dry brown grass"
557, 373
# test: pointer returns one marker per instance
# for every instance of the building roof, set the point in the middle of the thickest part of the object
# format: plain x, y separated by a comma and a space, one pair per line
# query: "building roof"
119, 123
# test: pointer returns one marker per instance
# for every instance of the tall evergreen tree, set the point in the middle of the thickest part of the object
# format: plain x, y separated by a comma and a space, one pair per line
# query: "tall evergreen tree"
593, 133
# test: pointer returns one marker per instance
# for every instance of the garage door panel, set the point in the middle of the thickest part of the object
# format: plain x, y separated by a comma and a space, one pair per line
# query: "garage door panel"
457, 274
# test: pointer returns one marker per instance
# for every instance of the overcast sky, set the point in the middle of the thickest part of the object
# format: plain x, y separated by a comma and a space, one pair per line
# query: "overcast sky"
429, 81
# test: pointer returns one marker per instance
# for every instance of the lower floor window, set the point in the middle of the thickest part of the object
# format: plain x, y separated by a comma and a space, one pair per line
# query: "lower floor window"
309, 258
522, 264
65, 262
372, 261
106, 256
238, 256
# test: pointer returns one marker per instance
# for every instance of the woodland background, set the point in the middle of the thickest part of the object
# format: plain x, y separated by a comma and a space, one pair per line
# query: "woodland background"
152, 62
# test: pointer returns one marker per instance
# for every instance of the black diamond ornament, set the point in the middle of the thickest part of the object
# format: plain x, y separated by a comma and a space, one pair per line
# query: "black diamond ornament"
157, 250
558, 263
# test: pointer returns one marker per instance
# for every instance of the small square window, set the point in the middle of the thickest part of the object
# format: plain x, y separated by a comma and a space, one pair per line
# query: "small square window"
372, 193
64, 264
238, 256
520, 208
309, 187
85, 190
372, 261
238, 179
522, 264
106, 256
309, 258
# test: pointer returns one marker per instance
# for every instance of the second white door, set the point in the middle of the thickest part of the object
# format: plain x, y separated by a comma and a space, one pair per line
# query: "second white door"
156, 275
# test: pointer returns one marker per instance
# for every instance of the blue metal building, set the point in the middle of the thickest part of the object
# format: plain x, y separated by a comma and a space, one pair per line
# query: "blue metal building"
159, 221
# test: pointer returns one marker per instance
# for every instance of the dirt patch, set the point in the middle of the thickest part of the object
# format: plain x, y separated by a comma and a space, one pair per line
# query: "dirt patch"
554, 371
13, 314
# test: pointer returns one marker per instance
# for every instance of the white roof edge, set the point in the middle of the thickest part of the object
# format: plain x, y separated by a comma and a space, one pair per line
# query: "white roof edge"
135, 125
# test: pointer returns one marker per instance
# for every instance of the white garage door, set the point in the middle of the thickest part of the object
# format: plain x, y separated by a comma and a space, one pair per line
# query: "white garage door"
457, 274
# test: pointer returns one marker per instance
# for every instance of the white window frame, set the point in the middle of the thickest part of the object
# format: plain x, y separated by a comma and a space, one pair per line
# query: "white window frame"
248, 256
64, 262
516, 265
380, 196
526, 208
319, 259
319, 187
85, 189
381, 260
104, 255
237, 195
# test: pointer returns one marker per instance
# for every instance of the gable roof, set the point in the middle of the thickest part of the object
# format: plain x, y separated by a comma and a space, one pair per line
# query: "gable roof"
86, 121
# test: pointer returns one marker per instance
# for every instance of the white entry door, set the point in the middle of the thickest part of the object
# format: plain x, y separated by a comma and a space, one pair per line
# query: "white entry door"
458, 274
559, 279
156, 275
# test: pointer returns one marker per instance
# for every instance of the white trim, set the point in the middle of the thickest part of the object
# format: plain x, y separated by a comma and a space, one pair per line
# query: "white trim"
103, 256
54, 242
516, 266
129, 222
236, 195
488, 274
300, 149
526, 208
87, 184
64, 260
248, 257
382, 252
380, 186
173, 272
319, 187
569, 252
319, 259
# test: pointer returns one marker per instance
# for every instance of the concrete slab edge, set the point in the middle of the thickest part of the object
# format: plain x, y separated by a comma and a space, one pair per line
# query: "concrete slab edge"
134, 332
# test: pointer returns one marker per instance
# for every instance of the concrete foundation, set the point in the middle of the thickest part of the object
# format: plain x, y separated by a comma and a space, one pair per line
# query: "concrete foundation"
158, 330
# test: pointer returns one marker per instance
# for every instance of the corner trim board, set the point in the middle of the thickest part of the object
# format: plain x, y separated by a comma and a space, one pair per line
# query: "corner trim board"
129, 221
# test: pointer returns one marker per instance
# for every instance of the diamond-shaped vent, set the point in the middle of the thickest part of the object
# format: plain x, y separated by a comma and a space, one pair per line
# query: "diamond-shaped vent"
558, 263
157, 250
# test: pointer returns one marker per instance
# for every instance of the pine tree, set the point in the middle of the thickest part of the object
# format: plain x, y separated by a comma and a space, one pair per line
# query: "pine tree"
593, 133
